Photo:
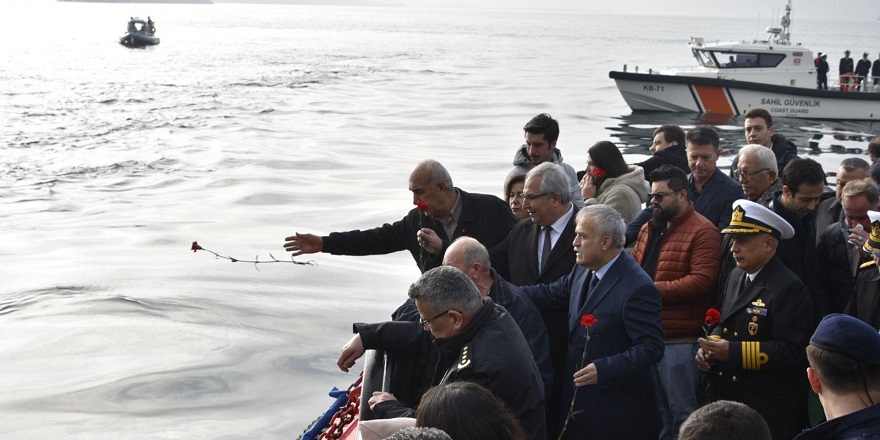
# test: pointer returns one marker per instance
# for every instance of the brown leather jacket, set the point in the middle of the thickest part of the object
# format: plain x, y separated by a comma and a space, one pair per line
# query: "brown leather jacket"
687, 268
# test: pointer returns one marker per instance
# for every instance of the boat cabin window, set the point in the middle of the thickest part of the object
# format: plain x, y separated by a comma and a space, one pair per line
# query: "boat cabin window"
704, 58
740, 60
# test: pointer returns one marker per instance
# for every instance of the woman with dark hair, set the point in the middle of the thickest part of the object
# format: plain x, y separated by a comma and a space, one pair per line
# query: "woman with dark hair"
513, 189
467, 411
610, 181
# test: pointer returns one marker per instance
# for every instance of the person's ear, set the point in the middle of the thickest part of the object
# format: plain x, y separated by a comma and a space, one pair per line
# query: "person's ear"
815, 382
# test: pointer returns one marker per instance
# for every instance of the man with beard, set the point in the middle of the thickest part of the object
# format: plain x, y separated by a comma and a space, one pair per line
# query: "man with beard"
681, 250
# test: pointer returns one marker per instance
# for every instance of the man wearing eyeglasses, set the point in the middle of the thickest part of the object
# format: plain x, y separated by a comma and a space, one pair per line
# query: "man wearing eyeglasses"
538, 251
758, 176
681, 250
468, 338
759, 130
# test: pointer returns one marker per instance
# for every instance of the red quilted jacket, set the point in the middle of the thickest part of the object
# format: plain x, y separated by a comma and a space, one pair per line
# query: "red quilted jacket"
687, 267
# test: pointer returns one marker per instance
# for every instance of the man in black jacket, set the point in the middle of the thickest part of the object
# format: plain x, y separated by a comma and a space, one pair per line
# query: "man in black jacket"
443, 213
822, 69
756, 355
668, 148
468, 338
863, 68
759, 130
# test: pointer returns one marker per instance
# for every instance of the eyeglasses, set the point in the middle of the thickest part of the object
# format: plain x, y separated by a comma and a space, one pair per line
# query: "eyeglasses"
737, 174
529, 198
424, 322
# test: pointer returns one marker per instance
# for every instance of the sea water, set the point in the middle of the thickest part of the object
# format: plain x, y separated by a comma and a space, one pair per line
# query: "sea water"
249, 123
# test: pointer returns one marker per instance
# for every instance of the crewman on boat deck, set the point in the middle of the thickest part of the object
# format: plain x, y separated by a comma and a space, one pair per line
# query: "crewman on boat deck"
756, 355
468, 337
875, 73
759, 130
822, 71
863, 69
846, 69
443, 213
541, 134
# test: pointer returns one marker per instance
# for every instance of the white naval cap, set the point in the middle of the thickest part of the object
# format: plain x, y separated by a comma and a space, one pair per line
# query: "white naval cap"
753, 218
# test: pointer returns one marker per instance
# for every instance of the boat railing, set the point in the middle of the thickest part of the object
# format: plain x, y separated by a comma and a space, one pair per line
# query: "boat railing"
850, 82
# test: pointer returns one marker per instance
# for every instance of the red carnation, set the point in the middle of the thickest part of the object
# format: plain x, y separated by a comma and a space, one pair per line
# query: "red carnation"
713, 316
422, 206
588, 320
597, 173
195, 246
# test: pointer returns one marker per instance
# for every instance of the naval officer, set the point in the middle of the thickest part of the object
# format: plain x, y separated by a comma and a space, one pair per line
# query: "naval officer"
757, 352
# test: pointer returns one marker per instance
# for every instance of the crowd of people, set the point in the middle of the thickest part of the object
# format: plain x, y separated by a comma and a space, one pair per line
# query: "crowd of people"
853, 76
678, 302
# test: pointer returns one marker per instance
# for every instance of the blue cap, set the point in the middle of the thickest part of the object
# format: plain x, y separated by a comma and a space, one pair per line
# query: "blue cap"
848, 336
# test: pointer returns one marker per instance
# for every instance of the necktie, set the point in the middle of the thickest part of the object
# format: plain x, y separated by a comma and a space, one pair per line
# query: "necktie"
545, 253
745, 284
594, 281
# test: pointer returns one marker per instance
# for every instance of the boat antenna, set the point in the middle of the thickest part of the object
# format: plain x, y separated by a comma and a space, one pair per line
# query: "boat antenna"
758, 26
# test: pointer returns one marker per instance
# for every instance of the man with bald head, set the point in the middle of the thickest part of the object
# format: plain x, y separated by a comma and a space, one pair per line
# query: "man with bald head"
472, 258
448, 212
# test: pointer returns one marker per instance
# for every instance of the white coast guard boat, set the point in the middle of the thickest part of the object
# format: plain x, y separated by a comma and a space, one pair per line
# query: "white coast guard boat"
733, 77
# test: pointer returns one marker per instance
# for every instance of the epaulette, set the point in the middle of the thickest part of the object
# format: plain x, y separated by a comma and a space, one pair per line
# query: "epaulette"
464, 361
866, 265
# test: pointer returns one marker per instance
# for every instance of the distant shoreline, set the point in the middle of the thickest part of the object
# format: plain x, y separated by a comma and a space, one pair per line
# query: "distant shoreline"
201, 2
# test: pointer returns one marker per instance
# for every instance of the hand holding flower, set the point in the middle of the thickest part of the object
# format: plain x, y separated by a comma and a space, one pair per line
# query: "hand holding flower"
430, 241
588, 375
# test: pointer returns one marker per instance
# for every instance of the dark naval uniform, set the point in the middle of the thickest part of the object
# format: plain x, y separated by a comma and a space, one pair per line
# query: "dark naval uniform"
768, 323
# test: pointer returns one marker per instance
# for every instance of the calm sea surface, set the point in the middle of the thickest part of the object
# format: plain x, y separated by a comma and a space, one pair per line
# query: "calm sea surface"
245, 125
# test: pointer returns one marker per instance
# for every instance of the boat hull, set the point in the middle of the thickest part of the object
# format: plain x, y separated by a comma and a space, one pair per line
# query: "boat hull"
673, 93
138, 40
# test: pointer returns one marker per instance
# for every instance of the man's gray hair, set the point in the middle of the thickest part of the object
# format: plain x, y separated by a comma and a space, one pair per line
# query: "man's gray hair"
608, 223
554, 181
472, 252
447, 288
765, 156
866, 187
436, 171
419, 433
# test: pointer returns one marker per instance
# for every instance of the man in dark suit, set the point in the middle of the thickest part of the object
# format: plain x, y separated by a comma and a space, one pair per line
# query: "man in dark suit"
830, 210
443, 213
612, 370
526, 257
755, 354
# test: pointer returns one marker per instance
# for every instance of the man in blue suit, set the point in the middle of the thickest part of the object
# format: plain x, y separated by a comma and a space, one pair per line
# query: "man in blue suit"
614, 384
